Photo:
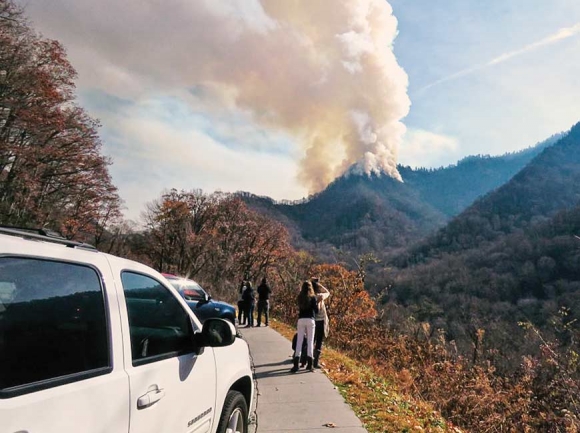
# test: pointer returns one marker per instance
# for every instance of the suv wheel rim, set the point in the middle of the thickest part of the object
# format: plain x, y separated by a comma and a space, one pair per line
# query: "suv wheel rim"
236, 422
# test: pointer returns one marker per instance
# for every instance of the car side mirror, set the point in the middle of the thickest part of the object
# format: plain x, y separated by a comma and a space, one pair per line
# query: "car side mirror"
216, 333
205, 300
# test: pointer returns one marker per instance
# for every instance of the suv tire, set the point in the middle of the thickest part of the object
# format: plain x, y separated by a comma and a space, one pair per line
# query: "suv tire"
234, 414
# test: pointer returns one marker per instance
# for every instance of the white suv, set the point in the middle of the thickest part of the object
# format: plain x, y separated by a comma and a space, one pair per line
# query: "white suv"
91, 342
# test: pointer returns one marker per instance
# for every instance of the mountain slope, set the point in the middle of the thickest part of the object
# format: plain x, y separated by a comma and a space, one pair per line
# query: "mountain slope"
531, 275
452, 189
358, 213
377, 213
549, 183
511, 257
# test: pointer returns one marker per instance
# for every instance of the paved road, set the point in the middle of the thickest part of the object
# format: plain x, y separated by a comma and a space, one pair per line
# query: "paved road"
293, 403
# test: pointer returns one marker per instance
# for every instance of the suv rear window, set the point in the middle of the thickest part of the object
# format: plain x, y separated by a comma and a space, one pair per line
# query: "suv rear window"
189, 289
52, 322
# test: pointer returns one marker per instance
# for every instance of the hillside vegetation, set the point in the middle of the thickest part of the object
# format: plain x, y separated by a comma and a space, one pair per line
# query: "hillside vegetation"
52, 171
549, 183
511, 257
540, 395
452, 189
358, 213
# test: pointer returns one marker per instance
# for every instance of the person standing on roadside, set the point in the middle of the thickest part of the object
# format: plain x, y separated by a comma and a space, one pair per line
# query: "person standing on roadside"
307, 309
241, 304
321, 319
249, 298
264, 292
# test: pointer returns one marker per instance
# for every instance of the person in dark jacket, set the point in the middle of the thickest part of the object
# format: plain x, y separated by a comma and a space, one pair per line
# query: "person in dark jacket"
249, 298
241, 304
264, 292
307, 309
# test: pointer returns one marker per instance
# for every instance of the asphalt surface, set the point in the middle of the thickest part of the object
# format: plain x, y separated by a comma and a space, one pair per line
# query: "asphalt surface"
293, 403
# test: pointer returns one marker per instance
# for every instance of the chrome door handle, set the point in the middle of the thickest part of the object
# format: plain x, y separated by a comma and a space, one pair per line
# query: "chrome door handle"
150, 398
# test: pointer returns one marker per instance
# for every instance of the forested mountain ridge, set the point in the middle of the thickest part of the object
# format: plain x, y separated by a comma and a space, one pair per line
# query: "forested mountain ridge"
366, 212
549, 183
452, 189
510, 258
377, 213
358, 213
531, 275
511, 305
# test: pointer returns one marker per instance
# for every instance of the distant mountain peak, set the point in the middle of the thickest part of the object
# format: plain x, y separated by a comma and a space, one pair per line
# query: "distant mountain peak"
356, 170
373, 210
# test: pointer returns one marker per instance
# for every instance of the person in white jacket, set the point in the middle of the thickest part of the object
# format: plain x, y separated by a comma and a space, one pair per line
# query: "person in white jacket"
321, 319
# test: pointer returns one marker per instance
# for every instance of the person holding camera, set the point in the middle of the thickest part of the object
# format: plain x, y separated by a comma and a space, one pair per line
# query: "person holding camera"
321, 327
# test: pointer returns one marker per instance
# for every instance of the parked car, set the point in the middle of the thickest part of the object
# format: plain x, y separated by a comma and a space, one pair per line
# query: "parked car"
200, 302
95, 343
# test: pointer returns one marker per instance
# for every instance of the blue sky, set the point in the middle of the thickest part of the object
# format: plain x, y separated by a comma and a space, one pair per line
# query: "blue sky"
277, 99
497, 108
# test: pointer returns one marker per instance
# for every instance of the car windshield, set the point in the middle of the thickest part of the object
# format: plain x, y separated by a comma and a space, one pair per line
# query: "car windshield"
190, 290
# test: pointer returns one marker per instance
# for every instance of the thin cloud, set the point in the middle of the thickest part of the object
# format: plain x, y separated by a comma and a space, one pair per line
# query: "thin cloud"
423, 148
561, 34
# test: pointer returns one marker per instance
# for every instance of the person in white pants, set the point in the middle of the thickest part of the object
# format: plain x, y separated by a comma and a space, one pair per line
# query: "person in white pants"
307, 309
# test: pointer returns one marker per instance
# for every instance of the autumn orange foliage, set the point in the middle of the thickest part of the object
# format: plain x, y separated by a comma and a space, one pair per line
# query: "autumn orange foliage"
52, 172
542, 396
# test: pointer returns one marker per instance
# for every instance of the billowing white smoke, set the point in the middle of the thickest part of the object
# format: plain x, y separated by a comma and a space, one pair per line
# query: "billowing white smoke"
345, 92
321, 70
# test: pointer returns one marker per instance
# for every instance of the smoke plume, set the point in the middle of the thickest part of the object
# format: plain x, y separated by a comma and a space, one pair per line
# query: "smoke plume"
322, 71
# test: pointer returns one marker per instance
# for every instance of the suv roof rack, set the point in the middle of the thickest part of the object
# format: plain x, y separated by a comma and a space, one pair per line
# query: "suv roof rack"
44, 235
